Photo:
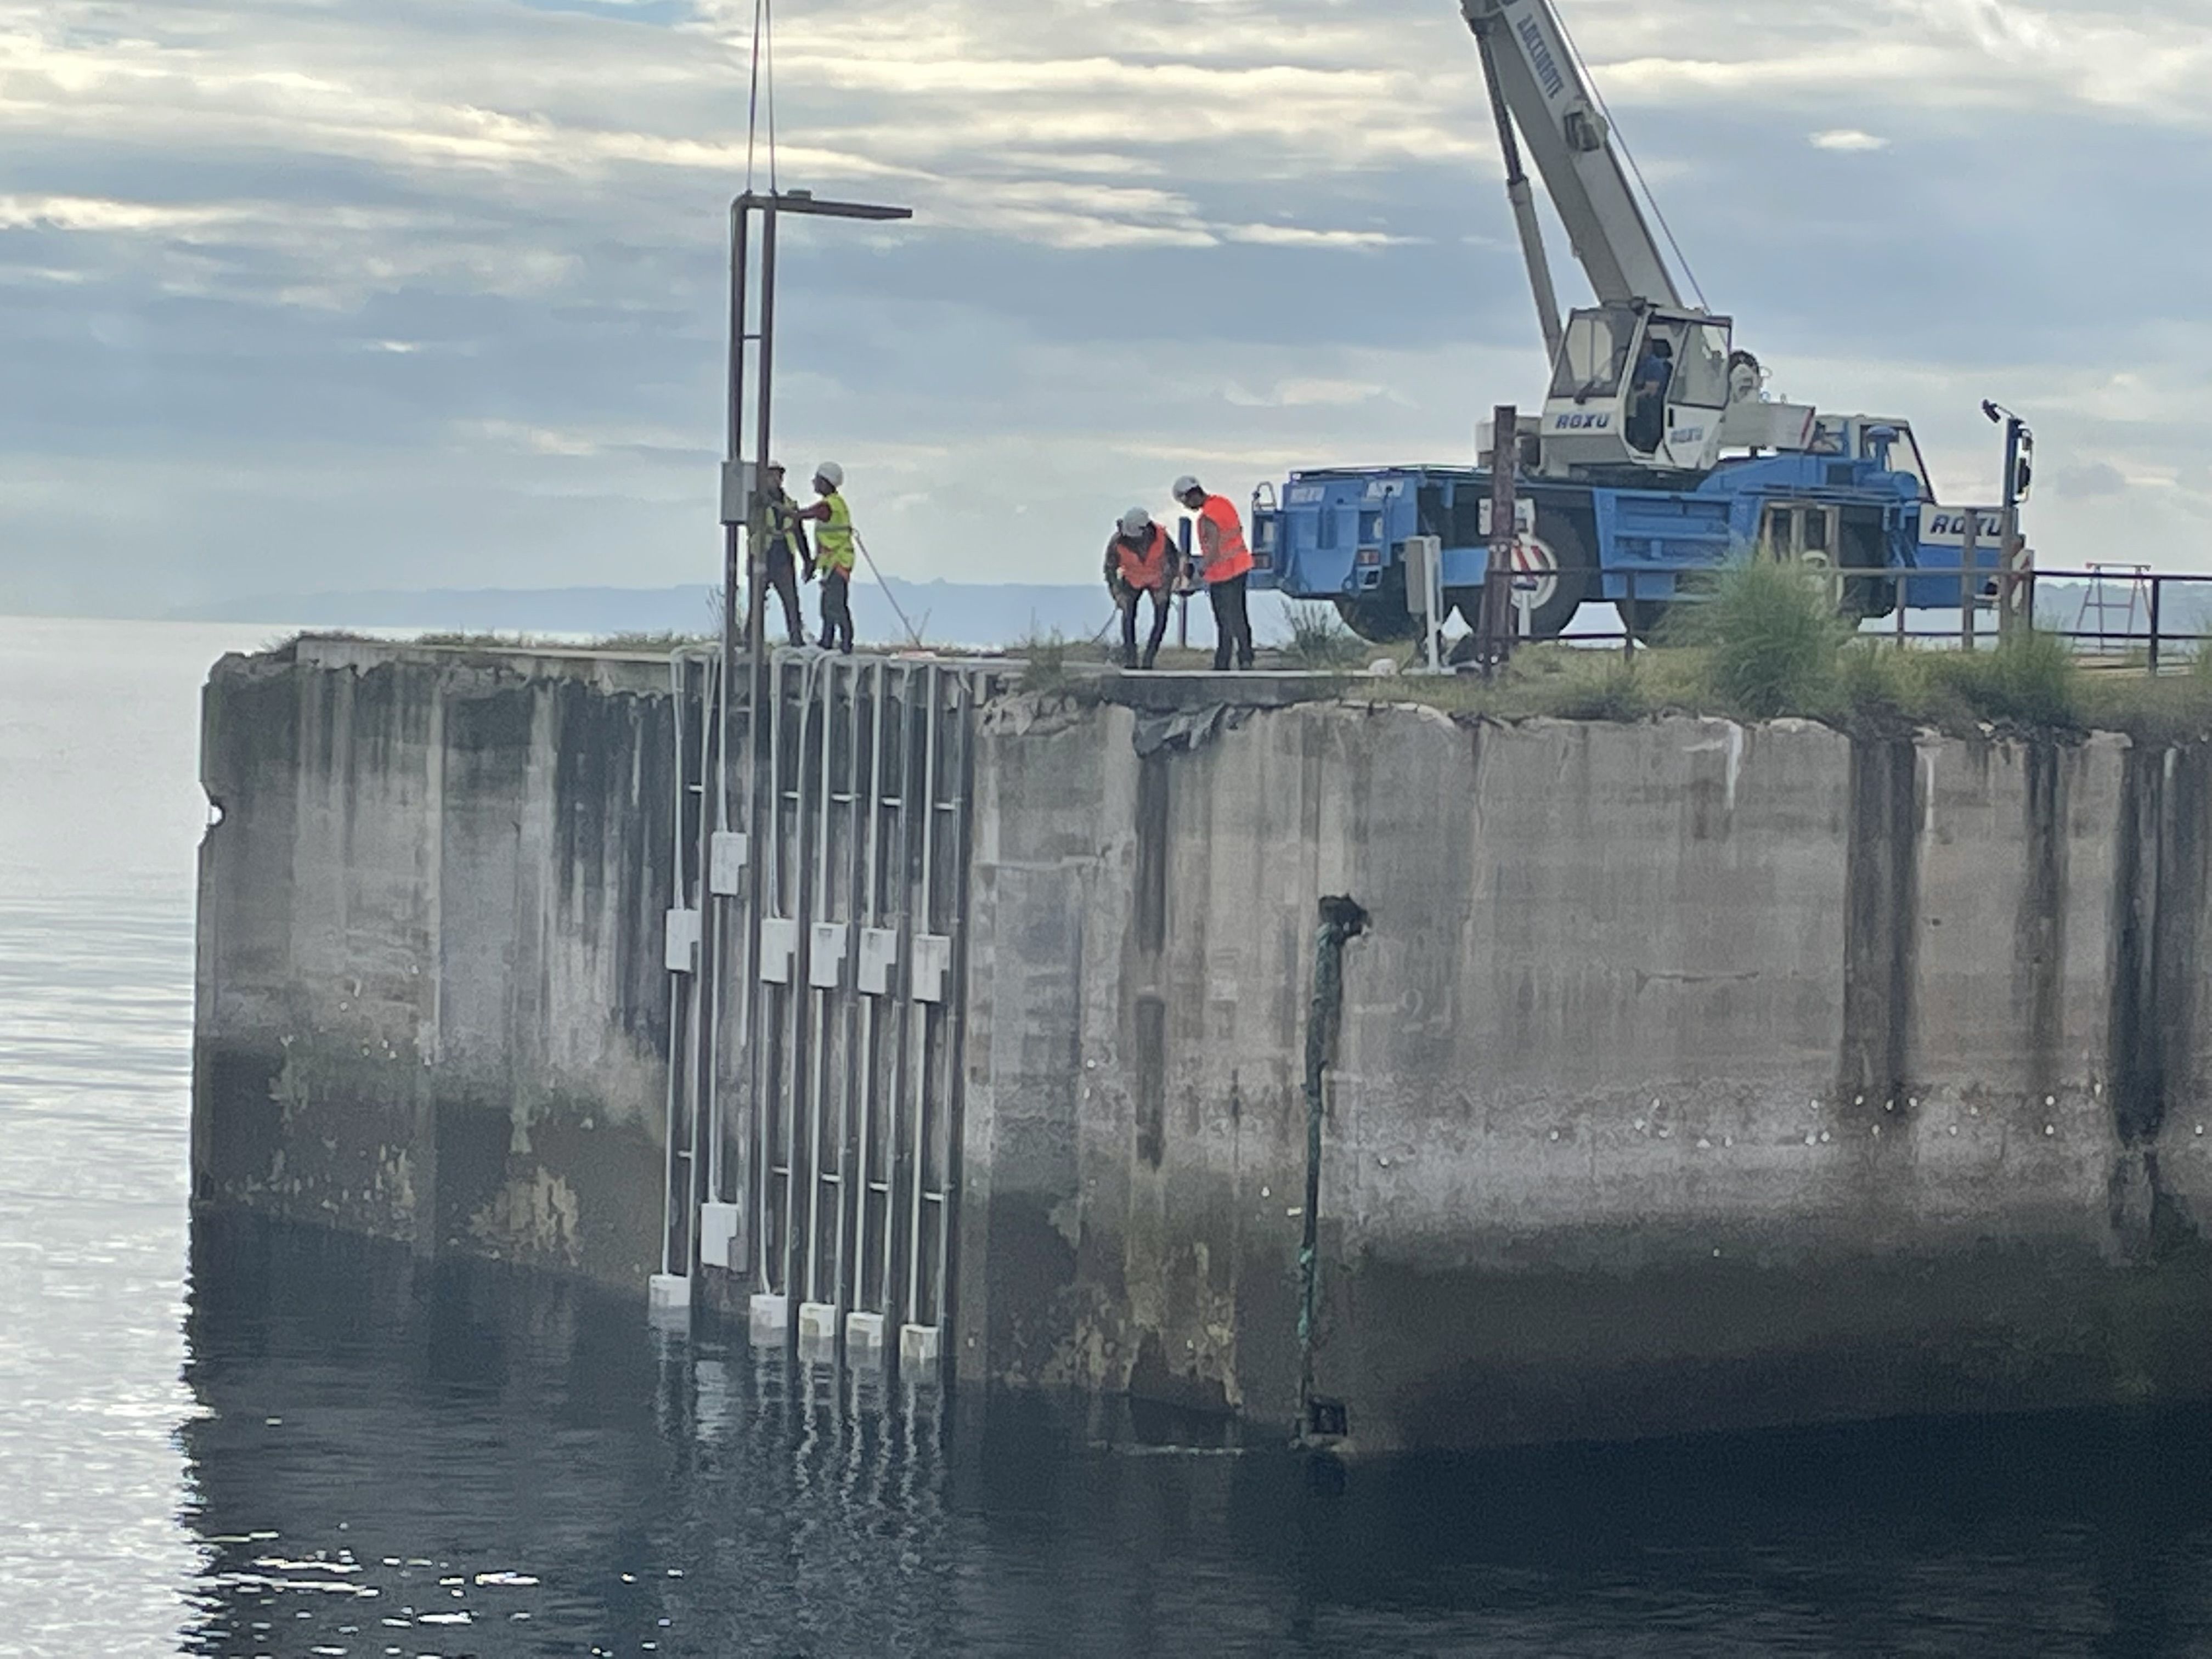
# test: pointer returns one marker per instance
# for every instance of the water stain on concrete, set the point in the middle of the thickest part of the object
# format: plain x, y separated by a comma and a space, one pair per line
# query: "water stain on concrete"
1881, 906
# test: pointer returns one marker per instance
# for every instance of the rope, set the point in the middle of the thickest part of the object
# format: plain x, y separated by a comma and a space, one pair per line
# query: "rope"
752, 101
764, 58
768, 40
913, 634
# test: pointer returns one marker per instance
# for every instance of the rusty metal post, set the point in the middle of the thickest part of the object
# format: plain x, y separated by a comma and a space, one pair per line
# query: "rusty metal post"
1494, 648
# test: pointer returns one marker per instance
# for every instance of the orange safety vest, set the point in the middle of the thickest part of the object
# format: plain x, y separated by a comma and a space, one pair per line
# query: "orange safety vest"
1144, 567
1232, 559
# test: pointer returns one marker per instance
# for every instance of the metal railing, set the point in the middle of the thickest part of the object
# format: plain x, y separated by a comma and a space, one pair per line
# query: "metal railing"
2158, 627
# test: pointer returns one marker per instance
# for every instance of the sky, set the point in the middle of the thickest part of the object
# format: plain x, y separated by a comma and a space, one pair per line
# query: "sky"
300, 296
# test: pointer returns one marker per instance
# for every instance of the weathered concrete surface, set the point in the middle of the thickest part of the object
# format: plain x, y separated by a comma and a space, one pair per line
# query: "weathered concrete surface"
1691, 1076
432, 1003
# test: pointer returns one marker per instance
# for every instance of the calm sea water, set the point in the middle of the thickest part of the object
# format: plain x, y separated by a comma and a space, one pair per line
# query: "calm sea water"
234, 1440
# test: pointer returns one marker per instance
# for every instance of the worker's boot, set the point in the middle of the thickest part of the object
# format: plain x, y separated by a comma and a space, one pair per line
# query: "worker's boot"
1129, 660
1146, 664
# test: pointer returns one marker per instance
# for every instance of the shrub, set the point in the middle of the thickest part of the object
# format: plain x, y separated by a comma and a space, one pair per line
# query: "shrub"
1616, 692
1773, 642
1320, 641
1045, 658
2031, 680
1879, 684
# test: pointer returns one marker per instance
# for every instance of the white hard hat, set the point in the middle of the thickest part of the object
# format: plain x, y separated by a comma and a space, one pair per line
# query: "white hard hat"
831, 474
1136, 521
1185, 484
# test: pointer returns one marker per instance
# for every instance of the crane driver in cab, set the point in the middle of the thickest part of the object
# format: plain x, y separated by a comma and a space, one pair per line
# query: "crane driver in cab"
1647, 400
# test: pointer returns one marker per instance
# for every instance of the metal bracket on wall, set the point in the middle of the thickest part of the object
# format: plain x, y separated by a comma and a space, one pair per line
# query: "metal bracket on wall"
825, 962
719, 1230
669, 1300
779, 946
878, 956
683, 942
726, 860
933, 966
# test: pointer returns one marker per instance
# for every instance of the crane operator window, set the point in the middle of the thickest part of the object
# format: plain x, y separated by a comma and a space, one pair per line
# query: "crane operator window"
1594, 356
1701, 366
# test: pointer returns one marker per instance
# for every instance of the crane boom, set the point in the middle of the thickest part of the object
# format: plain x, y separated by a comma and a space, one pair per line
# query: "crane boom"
1540, 82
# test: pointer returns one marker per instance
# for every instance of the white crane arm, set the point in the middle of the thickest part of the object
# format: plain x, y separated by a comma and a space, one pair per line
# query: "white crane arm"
1571, 145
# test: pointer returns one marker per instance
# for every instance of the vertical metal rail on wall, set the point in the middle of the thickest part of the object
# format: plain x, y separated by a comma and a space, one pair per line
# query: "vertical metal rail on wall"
816, 1036
691, 1105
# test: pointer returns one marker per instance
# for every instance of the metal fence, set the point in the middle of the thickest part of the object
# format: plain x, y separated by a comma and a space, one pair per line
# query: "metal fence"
2133, 616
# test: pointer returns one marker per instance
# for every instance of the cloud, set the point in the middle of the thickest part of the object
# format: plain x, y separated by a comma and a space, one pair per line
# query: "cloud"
2093, 482
433, 290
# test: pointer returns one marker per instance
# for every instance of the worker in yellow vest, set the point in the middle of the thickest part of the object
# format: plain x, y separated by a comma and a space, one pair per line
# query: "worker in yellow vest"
1226, 561
833, 556
1141, 558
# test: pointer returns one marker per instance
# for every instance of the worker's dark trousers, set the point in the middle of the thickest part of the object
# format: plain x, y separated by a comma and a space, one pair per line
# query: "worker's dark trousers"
836, 610
1232, 629
783, 579
1130, 600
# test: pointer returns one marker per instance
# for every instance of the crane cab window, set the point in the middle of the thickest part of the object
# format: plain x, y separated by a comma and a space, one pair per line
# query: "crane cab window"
1905, 456
1594, 354
1701, 365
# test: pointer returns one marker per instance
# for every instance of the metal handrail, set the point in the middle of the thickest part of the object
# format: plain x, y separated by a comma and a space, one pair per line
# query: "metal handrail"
2154, 639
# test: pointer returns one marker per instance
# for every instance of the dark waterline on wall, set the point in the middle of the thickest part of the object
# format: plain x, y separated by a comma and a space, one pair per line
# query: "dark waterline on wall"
397, 1457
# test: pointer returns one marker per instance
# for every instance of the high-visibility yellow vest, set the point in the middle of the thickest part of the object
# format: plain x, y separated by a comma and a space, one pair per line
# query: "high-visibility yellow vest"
833, 542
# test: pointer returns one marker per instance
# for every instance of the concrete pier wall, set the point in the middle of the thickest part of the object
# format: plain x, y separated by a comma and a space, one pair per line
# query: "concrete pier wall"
431, 997
1689, 1076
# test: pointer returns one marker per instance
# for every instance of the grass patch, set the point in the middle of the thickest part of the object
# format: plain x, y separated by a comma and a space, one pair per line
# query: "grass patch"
657, 644
2031, 681
1319, 639
1050, 660
1773, 643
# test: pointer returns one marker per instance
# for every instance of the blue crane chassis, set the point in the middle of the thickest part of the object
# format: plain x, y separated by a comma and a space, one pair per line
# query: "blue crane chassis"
1339, 534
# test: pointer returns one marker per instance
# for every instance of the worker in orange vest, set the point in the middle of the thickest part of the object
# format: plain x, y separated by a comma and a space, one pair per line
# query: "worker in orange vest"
1226, 561
1141, 558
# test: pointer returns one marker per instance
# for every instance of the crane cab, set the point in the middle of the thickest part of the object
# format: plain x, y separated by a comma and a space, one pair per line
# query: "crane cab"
1638, 388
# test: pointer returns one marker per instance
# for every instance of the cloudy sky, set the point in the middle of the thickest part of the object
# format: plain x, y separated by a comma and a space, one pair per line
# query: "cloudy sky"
304, 295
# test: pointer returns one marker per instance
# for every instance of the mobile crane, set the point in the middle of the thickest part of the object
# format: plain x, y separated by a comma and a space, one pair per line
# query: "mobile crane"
1657, 455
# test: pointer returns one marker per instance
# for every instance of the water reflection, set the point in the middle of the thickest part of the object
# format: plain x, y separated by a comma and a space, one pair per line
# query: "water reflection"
397, 1459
